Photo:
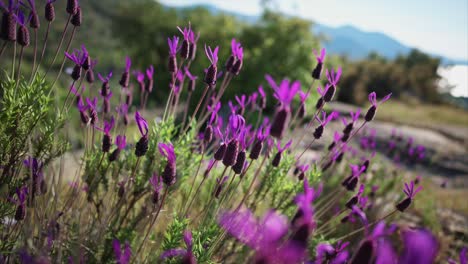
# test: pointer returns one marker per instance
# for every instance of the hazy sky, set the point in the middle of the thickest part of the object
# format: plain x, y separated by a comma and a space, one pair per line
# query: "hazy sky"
436, 26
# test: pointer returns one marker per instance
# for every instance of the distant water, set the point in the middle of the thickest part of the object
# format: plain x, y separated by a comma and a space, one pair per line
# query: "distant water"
456, 76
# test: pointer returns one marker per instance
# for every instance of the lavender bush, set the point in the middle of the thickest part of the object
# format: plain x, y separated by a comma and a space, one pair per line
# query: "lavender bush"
201, 186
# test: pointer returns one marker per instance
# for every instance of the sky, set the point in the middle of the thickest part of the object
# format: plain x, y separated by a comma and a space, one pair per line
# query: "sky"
435, 26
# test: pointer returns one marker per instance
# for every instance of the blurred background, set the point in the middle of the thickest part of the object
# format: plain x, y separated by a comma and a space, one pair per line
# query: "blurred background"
418, 50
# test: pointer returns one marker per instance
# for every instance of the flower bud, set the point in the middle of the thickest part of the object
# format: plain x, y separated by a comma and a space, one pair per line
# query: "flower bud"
276, 160
184, 49
93, 116
90, 76
364, 254
219, 154
34, 22
172, 64
236, 68
114, 155
352, 201
280, 122
106, 143
348, 128
84, 117
77, 18
320, 103
239, 166
155, 198
141, 146
317, 71
232, 150
208, 134
20, 213
8, 29
76, 73
230, 62
256, 150
49, 12
23, 36
370, 113
329, 94
72, 7
125, 79
345, 137
403, 205
318, 132
169, 174
331, 146
302, 111
210, 75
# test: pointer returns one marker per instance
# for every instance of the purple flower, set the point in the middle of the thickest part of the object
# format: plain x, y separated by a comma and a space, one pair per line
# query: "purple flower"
21, 194
108, 126
373, 99
410, 194
173, 45
214, 112
325, 120
334, 78
321, 58
284, 92
156, 182
120, 142
78, 56
327, 253
187, 254
212, 54
236, 49
169, 174
304, 200
420, 247
462, 257
12, 6
142, 124
122, 257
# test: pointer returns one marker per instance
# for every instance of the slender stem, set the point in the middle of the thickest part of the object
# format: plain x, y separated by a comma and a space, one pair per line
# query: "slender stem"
197, 108
43, 50
68, 95
257, 172
3, 48
35, 55
324, 225
152, 223
187, 104
366, 226
195, 177
296, 114
60, 43
64, 57
305, 149
13, 61
18, 76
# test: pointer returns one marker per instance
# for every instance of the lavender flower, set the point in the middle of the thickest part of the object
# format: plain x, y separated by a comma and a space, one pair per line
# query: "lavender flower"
93, 115
107, 138
462, 258
373, 109
185, 47
49, 10
410, 193
142, 145
262, 104
219, 186
186, 254
78, 57
192, 80
120, 142
262, 134
77, 18
351, 181
303, 97
327, 253
333, 79
172, 64
420, 247
277, 159
72, 6
149, 76
105, 88
122, 257
156, 183
212, 70
34, 17
24, 38
302, 170
356, 198
169, 174
235, 129
35, 167
20, 202
238, 54
323, 122
125, 79
350, 125
318, 68
285, 93
193, 45
9, 21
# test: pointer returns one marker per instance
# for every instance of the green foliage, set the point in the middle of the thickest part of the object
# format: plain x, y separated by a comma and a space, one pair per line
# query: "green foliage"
29, 125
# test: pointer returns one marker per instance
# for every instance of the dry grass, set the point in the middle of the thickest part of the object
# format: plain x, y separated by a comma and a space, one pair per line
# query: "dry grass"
422, 114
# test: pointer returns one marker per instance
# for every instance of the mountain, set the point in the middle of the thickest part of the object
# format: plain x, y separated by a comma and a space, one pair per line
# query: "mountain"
345, 40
